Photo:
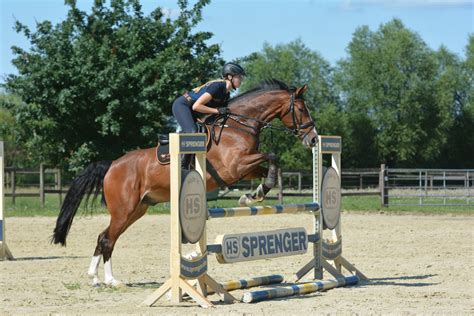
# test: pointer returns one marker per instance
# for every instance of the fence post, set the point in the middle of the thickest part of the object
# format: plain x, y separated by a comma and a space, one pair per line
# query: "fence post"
60, 187
383, 185
299, 182
42, 184
13, 184
280, 186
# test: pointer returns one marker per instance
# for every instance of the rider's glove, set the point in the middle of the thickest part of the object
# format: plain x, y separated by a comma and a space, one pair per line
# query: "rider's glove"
223, 111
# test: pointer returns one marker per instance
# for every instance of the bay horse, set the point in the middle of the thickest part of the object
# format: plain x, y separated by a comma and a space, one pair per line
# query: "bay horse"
137, 180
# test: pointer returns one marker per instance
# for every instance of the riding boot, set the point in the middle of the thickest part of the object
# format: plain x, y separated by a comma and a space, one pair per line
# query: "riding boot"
185, 160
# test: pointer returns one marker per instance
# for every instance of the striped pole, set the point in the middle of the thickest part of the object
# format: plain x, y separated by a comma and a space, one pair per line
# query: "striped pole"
251, 282
298, 289
261, 210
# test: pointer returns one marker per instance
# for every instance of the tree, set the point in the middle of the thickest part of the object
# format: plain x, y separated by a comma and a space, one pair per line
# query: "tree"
97, 85
389, 84
296, 65
7, 128
456, 85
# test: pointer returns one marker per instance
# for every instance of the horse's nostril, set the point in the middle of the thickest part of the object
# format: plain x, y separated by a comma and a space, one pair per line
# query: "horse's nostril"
313, 140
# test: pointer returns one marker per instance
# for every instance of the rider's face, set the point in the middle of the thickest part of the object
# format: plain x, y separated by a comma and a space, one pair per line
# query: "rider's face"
237, 80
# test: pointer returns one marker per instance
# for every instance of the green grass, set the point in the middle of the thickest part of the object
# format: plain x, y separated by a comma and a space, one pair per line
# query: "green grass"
30, 206
72, 285
372, 204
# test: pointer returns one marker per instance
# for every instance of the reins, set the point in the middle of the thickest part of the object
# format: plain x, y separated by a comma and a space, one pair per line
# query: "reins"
221, 120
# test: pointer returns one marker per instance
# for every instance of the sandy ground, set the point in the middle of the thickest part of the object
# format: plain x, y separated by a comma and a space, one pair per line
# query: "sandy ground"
417, 265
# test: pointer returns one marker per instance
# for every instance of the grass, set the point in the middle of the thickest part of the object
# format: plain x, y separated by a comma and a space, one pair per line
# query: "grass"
30, 206
72, 285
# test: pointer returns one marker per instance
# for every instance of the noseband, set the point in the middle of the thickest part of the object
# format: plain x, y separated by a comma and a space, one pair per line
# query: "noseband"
296, 129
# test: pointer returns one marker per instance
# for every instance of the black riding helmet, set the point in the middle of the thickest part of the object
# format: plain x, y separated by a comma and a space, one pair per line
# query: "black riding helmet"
232, 69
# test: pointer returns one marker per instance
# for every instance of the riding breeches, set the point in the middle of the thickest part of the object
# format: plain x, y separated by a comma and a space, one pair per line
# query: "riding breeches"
184, 115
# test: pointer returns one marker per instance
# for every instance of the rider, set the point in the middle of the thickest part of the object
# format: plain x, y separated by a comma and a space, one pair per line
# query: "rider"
210, 98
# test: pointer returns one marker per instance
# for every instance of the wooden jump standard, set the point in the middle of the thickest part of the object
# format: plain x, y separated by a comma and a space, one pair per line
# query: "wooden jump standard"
4, 250
188, 218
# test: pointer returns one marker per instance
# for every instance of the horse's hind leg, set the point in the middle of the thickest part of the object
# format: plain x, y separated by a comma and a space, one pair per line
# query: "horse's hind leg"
94, 266
106, 242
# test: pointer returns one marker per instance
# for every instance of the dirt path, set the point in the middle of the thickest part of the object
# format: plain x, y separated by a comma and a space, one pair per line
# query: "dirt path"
417, 264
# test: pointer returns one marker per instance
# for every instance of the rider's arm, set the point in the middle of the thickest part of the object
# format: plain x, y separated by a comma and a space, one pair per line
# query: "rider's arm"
200, 104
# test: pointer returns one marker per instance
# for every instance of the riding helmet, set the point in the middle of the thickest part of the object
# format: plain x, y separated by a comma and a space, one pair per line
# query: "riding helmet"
232, 69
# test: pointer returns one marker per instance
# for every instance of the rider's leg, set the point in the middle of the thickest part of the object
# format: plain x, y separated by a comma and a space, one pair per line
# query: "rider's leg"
183, 113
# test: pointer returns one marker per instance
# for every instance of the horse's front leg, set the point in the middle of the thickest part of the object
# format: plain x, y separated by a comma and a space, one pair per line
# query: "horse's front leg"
271, 177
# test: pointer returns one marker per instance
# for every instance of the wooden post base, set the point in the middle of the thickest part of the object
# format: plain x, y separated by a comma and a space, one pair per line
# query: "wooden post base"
5, 253
334, 271
199, 294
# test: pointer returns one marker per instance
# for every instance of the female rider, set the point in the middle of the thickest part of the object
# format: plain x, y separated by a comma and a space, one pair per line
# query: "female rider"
210, 98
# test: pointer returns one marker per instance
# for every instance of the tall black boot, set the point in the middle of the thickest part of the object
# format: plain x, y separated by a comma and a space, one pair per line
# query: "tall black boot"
185, 160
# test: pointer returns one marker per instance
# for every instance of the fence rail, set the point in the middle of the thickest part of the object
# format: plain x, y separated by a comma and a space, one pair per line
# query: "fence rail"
450, 187
54, 186
428, 187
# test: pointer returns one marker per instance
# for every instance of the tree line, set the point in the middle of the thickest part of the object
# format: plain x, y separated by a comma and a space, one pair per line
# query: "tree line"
99, 84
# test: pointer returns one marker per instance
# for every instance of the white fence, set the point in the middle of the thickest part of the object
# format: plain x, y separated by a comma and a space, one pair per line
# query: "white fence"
435, 187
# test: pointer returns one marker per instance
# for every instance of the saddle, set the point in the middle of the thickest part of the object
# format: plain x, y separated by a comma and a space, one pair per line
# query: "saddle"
205, 125
163, 147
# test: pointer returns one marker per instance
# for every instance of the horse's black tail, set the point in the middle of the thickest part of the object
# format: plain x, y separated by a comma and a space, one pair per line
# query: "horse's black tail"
89, 182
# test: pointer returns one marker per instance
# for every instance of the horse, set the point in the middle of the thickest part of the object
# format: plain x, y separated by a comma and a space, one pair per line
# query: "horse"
137, 180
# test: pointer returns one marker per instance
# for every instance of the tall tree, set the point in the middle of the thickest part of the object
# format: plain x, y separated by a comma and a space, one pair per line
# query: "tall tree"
99, 84
296, 65
389, 84
8, 126
456, 86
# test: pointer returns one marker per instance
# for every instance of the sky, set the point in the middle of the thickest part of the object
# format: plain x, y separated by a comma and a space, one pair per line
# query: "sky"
242, 27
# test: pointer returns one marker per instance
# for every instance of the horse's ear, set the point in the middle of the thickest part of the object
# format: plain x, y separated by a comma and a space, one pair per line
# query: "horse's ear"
300, 91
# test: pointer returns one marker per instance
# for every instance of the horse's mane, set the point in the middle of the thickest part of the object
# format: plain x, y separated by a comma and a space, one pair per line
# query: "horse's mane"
264, 86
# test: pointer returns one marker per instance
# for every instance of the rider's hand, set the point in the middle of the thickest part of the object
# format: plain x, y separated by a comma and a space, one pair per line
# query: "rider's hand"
223, 111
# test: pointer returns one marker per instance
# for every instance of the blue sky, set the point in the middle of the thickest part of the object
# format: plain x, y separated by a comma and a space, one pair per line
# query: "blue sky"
242, 27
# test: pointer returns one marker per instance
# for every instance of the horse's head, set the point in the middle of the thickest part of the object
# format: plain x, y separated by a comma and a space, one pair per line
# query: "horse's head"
296, 116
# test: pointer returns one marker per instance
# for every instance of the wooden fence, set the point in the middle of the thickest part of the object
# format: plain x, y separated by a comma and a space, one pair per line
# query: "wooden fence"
383, 182
12, 186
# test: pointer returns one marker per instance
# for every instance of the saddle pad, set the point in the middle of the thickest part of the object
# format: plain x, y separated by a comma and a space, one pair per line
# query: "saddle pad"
163, 154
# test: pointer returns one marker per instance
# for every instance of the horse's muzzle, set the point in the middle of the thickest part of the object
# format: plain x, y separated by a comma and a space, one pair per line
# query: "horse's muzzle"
311, 138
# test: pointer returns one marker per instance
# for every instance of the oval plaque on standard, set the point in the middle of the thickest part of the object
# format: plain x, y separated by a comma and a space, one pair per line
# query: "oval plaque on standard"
331, 198
192, 207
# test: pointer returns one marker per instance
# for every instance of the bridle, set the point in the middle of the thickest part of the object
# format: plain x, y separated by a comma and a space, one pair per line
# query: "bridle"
296, 129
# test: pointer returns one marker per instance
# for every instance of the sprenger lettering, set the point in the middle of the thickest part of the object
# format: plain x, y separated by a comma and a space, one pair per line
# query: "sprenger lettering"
273, 244
260, 245
194, 143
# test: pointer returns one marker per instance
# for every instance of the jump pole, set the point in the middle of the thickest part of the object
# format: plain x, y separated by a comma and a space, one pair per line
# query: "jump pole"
4, 251
298, 289
241, 284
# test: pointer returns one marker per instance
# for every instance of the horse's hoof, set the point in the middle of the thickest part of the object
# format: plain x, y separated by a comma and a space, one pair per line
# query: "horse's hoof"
246, 200
96, 282
115, 283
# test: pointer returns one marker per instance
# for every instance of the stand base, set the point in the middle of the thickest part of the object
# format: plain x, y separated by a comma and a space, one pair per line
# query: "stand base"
199, 294
5, 253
